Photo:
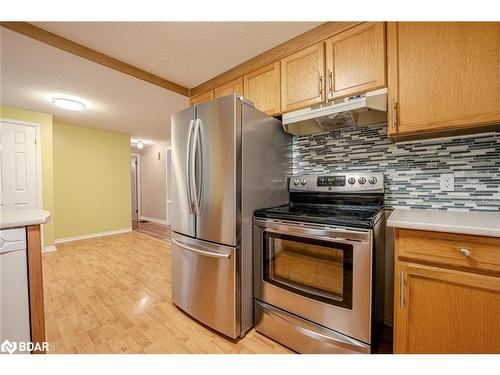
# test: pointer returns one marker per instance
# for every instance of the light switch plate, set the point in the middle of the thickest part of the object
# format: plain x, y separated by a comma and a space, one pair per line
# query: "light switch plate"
447, 182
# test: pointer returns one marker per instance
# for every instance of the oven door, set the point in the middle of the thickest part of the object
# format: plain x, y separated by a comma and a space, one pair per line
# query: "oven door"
319, 273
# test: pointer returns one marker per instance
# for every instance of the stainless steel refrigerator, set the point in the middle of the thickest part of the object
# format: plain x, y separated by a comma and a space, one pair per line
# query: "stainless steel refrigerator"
228, 159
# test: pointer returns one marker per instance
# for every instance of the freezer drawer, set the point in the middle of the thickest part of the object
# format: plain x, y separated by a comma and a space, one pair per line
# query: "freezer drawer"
302, 335
204, 283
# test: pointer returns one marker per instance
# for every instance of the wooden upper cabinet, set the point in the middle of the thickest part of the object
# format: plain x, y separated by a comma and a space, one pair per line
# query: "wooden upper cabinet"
302, 78
205, 97
355, 60
262, 87
235, 86
442, 76
444, 311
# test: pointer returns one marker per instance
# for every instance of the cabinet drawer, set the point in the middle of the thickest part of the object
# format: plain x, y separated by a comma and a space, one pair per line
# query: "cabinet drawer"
477, 252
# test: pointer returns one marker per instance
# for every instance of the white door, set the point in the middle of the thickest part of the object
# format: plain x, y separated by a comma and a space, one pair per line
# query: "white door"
18, 174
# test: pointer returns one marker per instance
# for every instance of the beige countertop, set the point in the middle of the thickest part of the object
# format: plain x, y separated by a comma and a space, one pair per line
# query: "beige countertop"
461, 222
23, 218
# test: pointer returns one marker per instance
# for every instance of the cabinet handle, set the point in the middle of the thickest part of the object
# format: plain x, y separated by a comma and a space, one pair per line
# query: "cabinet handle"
465, 252
394, 106
330, 83
401, 289
320, 85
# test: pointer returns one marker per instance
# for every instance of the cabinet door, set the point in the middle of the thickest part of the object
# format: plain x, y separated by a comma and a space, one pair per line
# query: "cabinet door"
205, 97
355, 60
263, 88
302, 81
442, 75
445, 311
235, 86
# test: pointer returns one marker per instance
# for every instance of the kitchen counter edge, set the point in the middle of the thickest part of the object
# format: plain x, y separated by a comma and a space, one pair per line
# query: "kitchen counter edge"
477, 223
23, 218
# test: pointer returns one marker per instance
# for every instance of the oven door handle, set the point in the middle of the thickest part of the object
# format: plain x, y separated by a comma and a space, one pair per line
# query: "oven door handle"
303, 232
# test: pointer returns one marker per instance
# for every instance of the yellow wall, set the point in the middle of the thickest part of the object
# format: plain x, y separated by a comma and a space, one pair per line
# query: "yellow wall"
45, 121
85, 177
91, 181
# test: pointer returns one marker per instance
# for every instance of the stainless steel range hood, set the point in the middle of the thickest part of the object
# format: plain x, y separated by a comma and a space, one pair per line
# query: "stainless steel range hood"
360, 110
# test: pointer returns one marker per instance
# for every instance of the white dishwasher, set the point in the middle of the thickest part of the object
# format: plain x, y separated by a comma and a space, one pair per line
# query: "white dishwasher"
14, 294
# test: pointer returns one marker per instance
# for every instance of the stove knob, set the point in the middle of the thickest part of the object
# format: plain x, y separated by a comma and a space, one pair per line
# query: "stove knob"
372, 180
303, 182
362, 180
295, 182
351, 180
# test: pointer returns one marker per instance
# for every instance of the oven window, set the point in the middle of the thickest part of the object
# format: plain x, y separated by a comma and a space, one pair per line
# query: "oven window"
321, 270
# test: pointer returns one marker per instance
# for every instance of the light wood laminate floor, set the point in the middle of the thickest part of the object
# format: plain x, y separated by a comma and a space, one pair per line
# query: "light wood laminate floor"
112, 295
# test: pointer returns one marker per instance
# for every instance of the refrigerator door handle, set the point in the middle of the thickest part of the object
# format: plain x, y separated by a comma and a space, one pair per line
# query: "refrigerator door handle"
189, 169
199, 251
198, 150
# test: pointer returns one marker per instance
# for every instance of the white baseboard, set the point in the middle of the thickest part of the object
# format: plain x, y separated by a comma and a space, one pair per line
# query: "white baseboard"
154, 220
92, 235
49, 249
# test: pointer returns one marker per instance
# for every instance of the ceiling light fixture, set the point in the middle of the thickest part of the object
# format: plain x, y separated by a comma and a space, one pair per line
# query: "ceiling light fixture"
140, 145
71, 104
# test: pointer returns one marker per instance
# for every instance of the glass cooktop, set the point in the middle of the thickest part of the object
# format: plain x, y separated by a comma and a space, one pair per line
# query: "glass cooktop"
349, 215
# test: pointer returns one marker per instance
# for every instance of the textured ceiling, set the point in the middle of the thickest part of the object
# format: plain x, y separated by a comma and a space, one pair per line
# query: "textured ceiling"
187, 53
32, 72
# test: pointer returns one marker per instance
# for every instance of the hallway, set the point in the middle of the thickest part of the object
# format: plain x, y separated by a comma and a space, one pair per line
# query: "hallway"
155, 230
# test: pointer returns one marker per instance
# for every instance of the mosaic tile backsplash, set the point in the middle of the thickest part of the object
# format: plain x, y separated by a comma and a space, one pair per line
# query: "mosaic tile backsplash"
412, 169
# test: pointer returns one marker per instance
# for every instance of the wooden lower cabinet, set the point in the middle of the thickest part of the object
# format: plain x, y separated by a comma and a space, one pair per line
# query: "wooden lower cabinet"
445, 310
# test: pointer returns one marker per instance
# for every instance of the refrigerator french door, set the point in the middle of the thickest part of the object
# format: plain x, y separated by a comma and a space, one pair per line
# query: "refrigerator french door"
204, 166
204, 254
182, 207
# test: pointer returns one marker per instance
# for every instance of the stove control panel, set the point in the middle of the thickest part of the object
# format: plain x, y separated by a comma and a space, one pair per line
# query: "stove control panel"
358, 182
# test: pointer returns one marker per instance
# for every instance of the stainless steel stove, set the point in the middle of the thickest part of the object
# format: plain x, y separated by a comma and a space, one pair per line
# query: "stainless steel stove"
314, 263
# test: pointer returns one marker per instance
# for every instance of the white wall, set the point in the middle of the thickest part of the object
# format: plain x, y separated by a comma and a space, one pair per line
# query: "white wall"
153, 181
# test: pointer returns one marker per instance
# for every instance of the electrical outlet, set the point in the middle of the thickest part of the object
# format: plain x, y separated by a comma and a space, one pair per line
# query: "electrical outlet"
447, 182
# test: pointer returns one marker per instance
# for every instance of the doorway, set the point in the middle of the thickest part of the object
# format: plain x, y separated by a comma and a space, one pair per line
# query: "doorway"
135, 185
168, 188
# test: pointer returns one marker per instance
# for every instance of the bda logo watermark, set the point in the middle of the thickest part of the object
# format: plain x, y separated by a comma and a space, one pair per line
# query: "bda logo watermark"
8, 347
24, 347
